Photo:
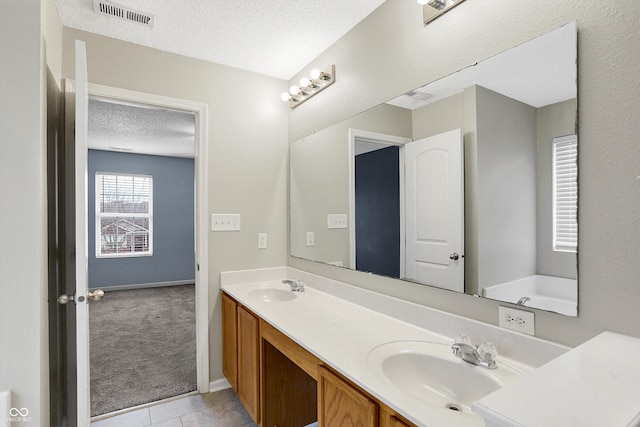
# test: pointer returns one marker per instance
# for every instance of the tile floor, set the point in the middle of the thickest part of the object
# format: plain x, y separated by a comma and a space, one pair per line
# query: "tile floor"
219, 409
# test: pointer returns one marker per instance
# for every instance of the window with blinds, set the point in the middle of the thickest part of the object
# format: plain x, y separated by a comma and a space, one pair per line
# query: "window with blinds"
565, 193
124, 215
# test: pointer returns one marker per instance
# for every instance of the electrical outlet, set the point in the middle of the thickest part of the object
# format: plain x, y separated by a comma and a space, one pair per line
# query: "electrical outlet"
311, 240
517, 320
262, 240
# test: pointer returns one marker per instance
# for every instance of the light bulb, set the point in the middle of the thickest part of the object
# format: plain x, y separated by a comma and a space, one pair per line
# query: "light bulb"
315, 74
305, 82
285, 96
294, 90
423, 2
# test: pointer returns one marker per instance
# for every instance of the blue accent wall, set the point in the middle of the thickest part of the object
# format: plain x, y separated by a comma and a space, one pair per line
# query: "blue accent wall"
173, 256
377, 204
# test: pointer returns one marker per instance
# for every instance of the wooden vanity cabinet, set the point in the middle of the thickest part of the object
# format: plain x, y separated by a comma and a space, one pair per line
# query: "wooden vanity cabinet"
241, 353
282, 384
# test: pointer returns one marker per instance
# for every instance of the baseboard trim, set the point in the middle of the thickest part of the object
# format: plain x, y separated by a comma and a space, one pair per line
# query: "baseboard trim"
145, 285
220, 384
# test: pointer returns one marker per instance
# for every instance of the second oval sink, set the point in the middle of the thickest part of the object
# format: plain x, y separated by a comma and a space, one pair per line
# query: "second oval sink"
272, 294
430, 372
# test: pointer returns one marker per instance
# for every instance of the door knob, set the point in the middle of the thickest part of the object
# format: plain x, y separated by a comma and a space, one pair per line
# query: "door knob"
96, 295
64, 299
454, 256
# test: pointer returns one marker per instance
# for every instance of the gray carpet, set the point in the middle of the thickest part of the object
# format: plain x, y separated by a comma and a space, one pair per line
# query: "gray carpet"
142, 347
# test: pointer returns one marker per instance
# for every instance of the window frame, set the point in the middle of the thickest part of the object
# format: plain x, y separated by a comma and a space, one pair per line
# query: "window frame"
99, 215
569, 244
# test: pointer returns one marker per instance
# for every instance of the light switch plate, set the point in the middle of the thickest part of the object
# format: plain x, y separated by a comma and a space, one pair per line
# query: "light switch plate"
517, 320
337, 221
225, 222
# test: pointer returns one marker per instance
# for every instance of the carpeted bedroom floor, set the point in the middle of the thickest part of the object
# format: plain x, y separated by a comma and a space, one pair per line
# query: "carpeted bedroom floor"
142, 347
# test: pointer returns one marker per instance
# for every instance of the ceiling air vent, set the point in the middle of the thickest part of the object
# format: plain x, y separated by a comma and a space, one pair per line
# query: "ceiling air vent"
419, 96
123, 12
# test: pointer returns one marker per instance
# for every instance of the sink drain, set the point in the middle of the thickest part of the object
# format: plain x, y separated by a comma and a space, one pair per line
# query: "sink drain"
453, 407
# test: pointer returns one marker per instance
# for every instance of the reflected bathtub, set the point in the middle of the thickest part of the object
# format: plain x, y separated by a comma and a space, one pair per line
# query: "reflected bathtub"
545, 292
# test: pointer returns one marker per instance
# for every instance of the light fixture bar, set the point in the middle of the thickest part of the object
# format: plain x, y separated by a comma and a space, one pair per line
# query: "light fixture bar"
310, 86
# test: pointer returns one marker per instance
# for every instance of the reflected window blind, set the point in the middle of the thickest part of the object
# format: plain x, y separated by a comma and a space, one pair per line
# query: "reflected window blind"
565, 193
124, 220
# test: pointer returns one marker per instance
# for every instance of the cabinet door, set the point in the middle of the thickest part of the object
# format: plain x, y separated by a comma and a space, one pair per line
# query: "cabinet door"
248, 362
394, 422
389, 419
342, 405
229, 341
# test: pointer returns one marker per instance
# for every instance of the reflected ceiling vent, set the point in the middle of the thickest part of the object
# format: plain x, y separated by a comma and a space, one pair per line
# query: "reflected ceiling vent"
419, 96
123, 12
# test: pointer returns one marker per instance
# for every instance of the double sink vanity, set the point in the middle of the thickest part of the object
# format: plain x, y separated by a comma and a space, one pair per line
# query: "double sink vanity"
301, 348
342, 355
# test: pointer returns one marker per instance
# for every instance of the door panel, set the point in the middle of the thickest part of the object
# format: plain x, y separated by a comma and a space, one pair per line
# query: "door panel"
435, 211
61, 237
81, 301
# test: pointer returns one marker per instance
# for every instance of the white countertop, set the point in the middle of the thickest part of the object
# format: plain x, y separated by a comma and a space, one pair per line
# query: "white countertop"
596, 384
342, 334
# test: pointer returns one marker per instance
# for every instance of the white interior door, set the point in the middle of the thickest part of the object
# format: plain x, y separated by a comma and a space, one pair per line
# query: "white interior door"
434, 198
82, 291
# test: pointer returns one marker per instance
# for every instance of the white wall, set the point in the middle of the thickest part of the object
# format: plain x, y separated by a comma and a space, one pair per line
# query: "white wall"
506, 135
392, 52
23, 216
248, 161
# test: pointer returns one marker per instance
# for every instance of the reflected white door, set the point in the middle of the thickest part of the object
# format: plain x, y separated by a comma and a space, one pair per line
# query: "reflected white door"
81, 294
434, 184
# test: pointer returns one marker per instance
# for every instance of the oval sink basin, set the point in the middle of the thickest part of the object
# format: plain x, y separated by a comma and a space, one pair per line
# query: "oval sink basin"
272, 294
430, 372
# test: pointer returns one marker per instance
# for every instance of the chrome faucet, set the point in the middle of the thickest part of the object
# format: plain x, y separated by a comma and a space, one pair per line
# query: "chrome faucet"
483, 355
297, 285
522, 300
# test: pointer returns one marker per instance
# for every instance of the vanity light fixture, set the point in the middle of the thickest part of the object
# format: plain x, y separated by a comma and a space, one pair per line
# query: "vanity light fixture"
309, 87
431, 9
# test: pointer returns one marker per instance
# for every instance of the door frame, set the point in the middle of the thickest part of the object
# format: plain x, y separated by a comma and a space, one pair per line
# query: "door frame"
378, 138
200, 110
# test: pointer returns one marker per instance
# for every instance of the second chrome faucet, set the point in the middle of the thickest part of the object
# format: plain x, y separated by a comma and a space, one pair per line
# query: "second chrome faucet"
483, 355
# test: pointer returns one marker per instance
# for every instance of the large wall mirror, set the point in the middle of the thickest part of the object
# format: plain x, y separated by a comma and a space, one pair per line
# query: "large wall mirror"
467, 183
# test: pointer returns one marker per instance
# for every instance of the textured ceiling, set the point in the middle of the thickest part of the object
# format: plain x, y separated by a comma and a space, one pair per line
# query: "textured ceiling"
140, 129
272, 37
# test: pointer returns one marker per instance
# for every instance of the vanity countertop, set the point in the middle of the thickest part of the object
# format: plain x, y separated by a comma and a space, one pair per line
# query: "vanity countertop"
342, 334
595, 384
